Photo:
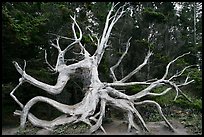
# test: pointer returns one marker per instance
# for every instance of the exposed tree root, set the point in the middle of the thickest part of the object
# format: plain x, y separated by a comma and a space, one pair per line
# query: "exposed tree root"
97, 93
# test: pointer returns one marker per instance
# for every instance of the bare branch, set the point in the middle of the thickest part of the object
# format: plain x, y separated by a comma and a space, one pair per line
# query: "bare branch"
24, 65
63, 119
159, 109
114, 5
141, 120
187, 78
107, 31
116, 93
52, 68
107, 21
158, 83
96, 92
167, 67
57, 41
60, 36
77, 40
159, 94
186, 83
176, 87
119, 61
120, 84
60, 59
61, 107
54, 45
131, 121
184, 95
181, 72
150, 80
14, 97
18, 68
138, 68
61, 81
121, 13
73, 29
102, 113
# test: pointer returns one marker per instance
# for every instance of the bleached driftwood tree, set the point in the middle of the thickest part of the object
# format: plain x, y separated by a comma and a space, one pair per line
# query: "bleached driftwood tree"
97, 93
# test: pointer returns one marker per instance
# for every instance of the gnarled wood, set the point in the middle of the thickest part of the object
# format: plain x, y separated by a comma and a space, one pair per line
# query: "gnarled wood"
97, 92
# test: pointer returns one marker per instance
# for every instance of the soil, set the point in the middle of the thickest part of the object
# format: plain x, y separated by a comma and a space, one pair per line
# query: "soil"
9, 130
119, 127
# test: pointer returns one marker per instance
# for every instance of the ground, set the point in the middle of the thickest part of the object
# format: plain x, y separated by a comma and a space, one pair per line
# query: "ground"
186, 120
119, 127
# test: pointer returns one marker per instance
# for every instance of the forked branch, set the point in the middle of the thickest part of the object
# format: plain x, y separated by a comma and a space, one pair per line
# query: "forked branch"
138, 68
107, 31
119, 61
97, 93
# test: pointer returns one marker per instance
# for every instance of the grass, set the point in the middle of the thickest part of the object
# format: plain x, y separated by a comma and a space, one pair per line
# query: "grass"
78, 128
8, 119
190, 118
29, 130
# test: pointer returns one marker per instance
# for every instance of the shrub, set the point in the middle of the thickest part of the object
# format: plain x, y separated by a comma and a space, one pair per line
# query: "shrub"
134, 89
195, 104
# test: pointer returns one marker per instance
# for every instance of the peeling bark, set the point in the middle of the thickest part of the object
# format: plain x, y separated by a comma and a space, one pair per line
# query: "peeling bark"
97, 93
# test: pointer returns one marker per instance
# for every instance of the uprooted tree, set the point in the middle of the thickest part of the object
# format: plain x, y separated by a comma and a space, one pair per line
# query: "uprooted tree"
96, 93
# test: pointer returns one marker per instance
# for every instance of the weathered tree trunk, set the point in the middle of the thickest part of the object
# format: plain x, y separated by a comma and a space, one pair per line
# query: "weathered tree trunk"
97, 93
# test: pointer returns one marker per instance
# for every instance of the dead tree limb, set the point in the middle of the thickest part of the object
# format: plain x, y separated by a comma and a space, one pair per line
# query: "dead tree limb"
97, 93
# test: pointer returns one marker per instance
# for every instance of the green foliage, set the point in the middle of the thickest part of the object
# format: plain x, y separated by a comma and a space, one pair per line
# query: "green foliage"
134, 89
24, 21
196, 86
193, 122
29, 130
150, 15
161, 58
25, 24
8, 108
41, 74
7, 88
165, 99
100, 10
196, 75
168, 99
104, 69
86, 40
65, 11
143, 45
181, 62
66, 129
196, 104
